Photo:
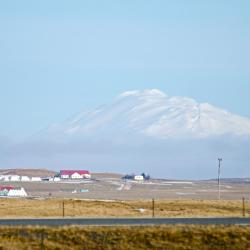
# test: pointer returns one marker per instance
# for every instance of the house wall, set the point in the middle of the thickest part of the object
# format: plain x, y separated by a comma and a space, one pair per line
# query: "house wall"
65, 176
25, 178
76, 176
6, 178
15, 178
17, 193
139, 178
36, 179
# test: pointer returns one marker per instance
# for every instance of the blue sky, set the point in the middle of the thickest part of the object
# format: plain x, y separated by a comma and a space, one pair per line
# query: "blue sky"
60, 57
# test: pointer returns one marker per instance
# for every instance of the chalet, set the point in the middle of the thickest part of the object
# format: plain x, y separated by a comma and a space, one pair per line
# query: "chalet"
75, 174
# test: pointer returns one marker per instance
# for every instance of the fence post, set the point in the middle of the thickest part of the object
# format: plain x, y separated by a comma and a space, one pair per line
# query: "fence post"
243, 207
42, 247
153, 207
63, 209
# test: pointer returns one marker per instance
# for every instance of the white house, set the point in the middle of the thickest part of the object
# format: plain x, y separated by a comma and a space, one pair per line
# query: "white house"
65, 176
75, 174
36, 179
14, 178
6, 178
17, 192
138, 178
25, 178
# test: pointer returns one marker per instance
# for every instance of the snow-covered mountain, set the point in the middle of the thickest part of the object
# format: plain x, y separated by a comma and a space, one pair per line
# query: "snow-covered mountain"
142, 131
152, 113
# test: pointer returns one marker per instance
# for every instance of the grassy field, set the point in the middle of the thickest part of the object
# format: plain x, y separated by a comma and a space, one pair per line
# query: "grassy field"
164, 237
11, 208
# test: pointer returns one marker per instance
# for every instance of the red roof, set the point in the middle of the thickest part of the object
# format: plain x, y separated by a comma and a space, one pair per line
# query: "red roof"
5, 188
70, 172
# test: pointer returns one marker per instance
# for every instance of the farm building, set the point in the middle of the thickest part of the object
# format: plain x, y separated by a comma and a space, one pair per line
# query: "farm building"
14, 178
4, 190
25, 178
17, 192
141, 177
75, 174
138, 178
10, 191
36, 179
6, 178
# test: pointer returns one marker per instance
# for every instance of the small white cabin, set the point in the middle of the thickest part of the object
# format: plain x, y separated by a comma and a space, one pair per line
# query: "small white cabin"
17, 192
75, 174
6, 178
138, 178
65, 176
25, 178
14, 178
36, 179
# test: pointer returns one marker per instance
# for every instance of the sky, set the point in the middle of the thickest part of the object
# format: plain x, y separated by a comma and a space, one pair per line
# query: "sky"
58, 58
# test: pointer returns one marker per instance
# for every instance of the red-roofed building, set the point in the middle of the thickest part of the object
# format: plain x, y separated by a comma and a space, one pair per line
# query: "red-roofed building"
8, 188
12, 191
75, 174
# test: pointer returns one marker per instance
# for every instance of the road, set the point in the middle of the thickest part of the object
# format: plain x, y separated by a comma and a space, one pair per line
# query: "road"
124, 221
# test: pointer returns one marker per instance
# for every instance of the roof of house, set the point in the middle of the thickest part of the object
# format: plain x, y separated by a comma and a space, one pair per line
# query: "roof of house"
6, 188
70, 172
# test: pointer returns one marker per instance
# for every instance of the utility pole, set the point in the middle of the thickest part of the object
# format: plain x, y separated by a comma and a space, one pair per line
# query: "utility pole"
220, 160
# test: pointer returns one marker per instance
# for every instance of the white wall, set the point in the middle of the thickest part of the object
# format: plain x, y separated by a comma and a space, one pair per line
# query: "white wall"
138, 178
25, 178
36, 179
76, 176
17, 193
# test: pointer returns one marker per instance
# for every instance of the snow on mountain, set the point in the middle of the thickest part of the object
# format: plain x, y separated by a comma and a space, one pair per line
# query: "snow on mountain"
152, 113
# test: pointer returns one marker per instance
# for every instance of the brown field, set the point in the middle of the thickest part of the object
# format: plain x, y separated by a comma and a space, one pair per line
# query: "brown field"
160, 237
108, 186
13, 208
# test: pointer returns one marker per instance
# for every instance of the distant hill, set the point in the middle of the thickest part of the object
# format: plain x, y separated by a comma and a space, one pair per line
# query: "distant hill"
27, 172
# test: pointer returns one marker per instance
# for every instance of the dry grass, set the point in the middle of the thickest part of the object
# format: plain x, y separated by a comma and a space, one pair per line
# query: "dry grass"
163, 237
10, 208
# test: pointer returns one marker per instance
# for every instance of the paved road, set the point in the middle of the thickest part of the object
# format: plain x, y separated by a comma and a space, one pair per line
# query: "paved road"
125, 221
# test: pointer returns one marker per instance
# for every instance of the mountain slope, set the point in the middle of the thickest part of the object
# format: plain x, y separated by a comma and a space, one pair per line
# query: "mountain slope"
142, 131
152, 113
